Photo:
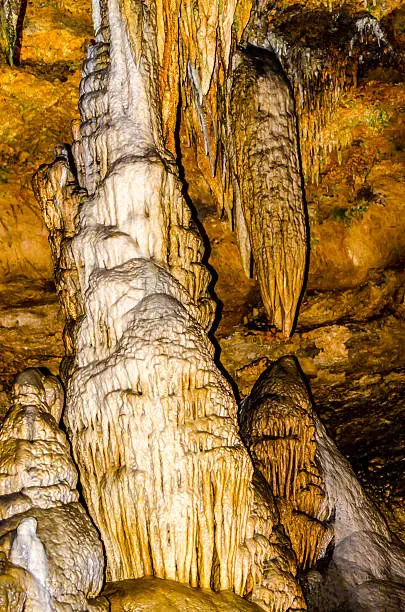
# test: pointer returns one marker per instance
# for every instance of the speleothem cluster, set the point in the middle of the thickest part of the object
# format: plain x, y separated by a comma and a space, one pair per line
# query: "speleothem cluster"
51, 558
181, 483
152, 421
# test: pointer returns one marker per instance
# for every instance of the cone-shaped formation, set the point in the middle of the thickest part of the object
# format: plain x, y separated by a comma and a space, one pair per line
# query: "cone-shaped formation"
361, 565
152, 422
269, 191
277, 426
52, 556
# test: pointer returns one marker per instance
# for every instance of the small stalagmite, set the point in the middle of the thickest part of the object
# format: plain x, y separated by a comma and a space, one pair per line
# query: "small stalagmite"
277, 426
269, 207
352, 561
52, 557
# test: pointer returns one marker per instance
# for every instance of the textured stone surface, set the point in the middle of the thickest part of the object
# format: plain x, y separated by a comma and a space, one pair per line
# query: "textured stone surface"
11, 17
277, 426
269, 208
322, 505
164, 595
43, 528
151, 419
349, 331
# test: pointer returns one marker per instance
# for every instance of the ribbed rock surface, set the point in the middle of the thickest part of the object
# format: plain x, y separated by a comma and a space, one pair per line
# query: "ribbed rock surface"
152, 421
329, 518
366, 569
270, 216
55, 558
277, 426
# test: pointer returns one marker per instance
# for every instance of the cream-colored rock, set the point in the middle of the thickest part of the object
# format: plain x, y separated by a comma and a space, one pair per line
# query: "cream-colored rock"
151, 419
265, 164
43, 528
366, 569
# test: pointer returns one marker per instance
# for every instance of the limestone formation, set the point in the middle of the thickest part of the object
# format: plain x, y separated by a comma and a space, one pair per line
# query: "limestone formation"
152, 421
321, 52
270, 216
278, 428
11, 18
366, 569
334, 528
52, 558
177, 487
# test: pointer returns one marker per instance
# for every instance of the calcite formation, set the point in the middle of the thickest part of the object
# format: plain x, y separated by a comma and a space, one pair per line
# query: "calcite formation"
187, 55
52, 558
331, 522
152, 421
270, 218
278, 427
366, 569
179, 488
321, 51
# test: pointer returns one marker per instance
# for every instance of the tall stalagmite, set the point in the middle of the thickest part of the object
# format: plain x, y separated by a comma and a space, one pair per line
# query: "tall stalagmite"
152, 421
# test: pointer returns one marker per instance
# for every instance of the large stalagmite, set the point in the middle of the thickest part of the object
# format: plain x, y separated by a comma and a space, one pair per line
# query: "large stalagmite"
152, 421
175, 489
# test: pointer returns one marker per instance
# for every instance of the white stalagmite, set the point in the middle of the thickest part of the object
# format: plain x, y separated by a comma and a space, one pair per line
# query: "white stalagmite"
52, 555
151, 419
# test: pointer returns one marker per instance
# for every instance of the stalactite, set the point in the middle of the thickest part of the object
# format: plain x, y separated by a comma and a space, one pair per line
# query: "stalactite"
322, 64
11, 19
265, 165
258, 181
